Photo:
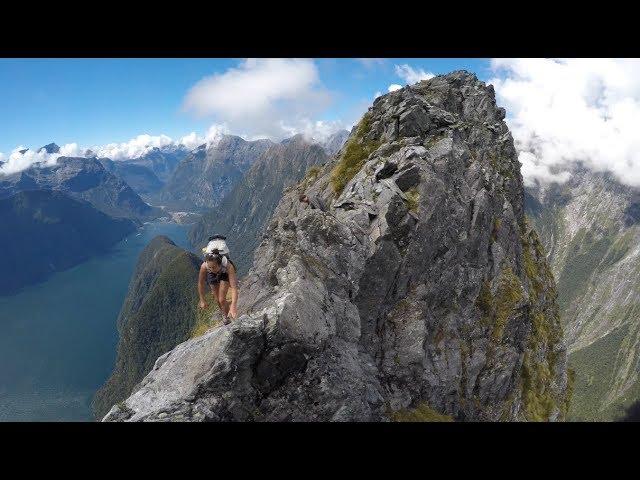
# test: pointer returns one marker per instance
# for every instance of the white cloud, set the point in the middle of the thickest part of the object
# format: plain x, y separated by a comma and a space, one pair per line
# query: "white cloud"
18, 161
261, 95
411, 75
135, 147
212, 136
319, 130
393, 87
377, 94
569, 110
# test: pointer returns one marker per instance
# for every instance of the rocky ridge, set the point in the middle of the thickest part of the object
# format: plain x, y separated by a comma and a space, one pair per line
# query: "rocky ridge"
416, 291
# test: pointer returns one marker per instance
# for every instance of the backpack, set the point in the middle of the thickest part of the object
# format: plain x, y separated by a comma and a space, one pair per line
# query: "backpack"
217, 244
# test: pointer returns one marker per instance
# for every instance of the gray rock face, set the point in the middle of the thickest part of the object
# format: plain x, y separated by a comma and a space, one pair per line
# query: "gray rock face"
419, 286
243, 213
203, 178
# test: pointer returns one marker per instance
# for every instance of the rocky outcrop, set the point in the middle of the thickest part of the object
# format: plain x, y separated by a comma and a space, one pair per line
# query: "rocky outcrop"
46, 231
204, 177
82, 179
159, 312
243, 213
590, 225
410, 287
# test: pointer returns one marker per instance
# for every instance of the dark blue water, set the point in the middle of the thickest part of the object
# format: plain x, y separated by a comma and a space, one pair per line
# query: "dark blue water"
58, 338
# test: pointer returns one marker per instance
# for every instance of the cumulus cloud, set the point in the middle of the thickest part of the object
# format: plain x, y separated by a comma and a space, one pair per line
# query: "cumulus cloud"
319, 130
211, 137
393, 87
260, 96
563, 111
411, 75
19, 159
135, 147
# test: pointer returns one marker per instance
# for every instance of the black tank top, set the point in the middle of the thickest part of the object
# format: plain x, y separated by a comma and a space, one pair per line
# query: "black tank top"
221, 275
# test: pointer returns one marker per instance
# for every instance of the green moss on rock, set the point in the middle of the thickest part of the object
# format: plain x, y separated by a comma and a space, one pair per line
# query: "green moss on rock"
354, 156
412, 197
422, 413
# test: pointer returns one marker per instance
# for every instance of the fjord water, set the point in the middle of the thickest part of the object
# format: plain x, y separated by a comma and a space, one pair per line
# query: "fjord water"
58, 338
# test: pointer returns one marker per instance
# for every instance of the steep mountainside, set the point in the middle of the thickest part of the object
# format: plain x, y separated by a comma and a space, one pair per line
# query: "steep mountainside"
159, 312
591, 229
246, 209
46, 231
420, 292
82, 179
161, 161
140, 178
205, 176
335, 142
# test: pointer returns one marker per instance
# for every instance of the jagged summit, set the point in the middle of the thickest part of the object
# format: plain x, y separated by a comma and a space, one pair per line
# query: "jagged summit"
411, 287
50, 148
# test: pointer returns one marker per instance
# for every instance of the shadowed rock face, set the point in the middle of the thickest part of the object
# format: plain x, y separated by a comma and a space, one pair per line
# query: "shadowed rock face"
411, 280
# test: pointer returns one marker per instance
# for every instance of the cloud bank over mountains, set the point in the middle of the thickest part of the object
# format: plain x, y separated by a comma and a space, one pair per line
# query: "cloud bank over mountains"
564, 111
22, 157
561, 112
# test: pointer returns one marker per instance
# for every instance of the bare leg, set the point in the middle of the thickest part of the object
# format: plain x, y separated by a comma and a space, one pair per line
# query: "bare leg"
222, 298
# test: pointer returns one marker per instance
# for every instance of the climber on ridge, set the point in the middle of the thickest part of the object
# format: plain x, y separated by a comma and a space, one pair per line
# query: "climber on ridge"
219, 272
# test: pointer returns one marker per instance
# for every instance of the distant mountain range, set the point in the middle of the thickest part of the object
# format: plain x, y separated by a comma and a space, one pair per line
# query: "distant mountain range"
140, 178
46, 231
162, 161
202, 179
590, 227
82, 179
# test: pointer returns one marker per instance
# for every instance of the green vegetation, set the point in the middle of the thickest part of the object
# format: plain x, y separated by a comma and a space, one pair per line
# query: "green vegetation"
412, 199
496, 228
586, 254
309, 178
422, 413
497, 309
594, 373
160, 311
540, 358
620, 247
205, 318
354, 156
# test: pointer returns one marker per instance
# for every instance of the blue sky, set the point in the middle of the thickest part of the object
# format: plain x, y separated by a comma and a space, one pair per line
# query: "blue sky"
99, 101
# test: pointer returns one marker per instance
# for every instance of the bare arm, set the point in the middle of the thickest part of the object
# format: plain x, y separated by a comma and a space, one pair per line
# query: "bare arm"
202, 277
233, 286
